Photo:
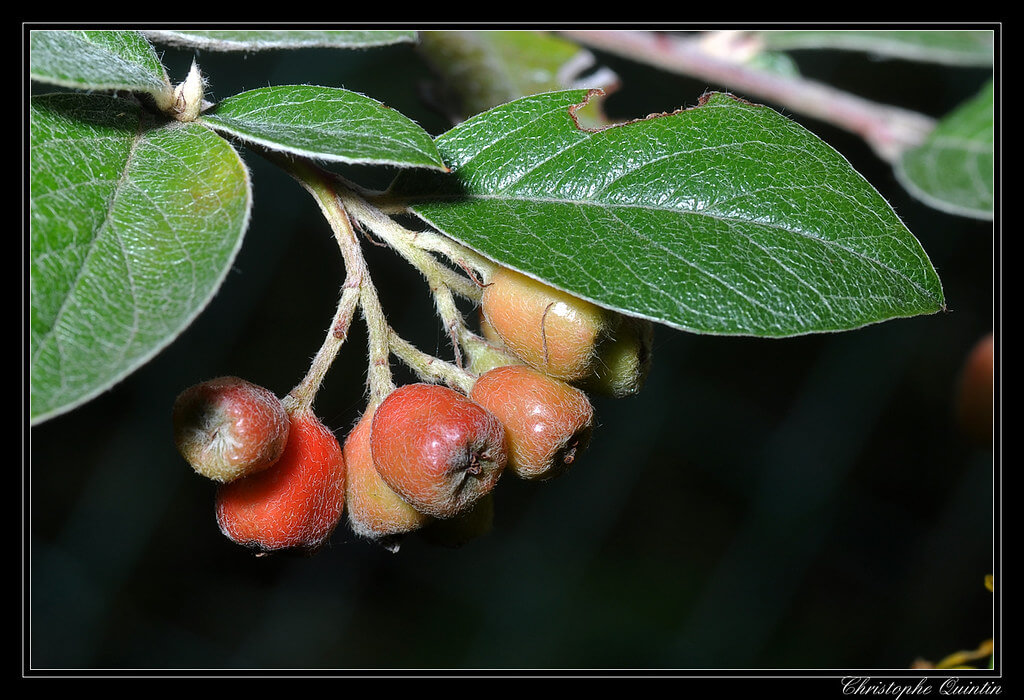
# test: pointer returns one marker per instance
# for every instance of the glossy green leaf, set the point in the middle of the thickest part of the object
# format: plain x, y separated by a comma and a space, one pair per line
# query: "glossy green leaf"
96, 60
325, 123
726, 218
132, 229
264, 39
954, 169
948, 46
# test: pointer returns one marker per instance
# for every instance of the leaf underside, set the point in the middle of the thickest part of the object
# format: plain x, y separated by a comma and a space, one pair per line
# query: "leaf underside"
132, 229
96, 60
954, 170
951, 47
487, 68
266, 39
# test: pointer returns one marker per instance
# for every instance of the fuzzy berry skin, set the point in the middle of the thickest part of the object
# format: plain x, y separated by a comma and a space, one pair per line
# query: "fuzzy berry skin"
374, 510
437, 449
547, 328
296, 503
228, 428
547, 422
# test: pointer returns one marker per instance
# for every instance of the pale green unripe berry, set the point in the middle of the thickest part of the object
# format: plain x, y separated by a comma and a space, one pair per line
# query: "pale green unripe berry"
623, 359
488, 353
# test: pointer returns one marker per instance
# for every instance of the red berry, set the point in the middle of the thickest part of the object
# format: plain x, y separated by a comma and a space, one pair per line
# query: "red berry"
227, 428
297, 502
438, 450
547, 422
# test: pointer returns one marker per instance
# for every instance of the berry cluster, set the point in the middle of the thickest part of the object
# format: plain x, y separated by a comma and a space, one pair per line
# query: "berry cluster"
281, 471
427, 456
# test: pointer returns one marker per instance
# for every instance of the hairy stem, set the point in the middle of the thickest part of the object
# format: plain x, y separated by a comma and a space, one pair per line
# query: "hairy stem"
441, 279
337, 202
358, 289
469, 260
887, 129
430, 368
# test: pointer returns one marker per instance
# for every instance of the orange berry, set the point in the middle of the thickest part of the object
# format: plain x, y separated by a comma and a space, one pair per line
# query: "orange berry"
374, 510
297, 502
487, 330
437, 449
545, 327
547, 422
227, 428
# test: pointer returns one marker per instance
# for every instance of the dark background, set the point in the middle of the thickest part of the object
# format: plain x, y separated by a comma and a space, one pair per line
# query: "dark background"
806, 503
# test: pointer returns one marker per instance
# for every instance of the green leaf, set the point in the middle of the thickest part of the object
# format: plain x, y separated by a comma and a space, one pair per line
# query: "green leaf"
726, 218
488, 68
132, 229
262, 39
96, 60
953, 47
325, 123
774, 62
953, 170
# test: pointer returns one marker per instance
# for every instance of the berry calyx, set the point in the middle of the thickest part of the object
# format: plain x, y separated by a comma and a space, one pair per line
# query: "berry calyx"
374, 510
547, 422
228, 428
437, 449
297, 502
545, 327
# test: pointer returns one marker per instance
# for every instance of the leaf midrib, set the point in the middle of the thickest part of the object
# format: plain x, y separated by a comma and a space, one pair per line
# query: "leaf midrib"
725, 219
586, 136
122, 182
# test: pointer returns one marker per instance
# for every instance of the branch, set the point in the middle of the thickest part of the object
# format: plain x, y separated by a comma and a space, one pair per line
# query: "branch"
888, 130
